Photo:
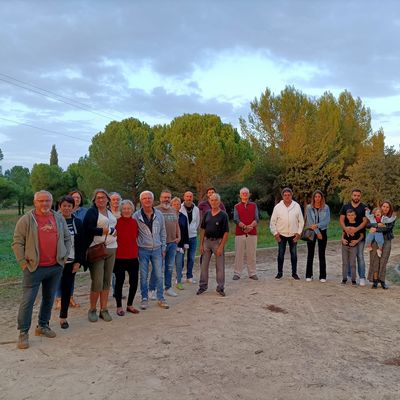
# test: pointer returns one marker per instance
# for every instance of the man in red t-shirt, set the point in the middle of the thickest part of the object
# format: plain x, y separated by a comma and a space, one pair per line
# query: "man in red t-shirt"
41, 246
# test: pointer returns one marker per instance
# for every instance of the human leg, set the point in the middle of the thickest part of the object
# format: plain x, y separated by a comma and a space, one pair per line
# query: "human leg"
66, 283
293, 254
310, 259
157, 266
240, 245
281, 253
321, 254
169, 264
191, 254
251, 252
119, 273
205, 264
144, 260
360, 260
133, 272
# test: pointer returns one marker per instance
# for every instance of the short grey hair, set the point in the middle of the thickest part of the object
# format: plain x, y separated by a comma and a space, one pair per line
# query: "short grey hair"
176, 199
286, 190
216, 195
35, 196
244, 189
123, 202
115, 194
146, 192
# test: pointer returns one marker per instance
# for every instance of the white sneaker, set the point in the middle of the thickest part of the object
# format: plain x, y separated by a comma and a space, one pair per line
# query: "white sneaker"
191, 280
379, 252
308, 279
170, 292
322, 280
362, 281
152, 295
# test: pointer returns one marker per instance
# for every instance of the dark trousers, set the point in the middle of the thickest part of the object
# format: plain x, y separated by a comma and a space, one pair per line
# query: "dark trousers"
67, 282
281, 253
321, 255
121, 266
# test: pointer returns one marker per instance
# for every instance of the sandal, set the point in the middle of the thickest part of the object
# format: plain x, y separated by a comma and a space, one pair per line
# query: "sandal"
64, 324
121, 312
132, 310
73, 303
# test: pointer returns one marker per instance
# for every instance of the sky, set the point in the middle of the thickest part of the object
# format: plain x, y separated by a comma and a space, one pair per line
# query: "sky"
68, 68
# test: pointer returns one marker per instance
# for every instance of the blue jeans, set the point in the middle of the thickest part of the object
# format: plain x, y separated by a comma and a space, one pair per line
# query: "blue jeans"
49, 277
155, 257
191, 254
179, 266
360, 261
168, 264
281, 253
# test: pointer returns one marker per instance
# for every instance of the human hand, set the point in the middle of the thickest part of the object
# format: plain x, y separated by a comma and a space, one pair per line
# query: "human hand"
75, 267
277, 237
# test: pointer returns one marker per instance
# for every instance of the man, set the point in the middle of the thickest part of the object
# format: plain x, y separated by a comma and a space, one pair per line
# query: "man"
192, 213
361, 221
173, 238
214, 234
205, 205
41, 246
152, 244
286, 225
246, 217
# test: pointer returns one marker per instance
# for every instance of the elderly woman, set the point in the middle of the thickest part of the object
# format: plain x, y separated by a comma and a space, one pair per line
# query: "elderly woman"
127, 257
317, 219
377, 264
76, 256
99, 225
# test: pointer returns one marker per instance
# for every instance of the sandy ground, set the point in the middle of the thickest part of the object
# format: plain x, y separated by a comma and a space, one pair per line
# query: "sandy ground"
328, 342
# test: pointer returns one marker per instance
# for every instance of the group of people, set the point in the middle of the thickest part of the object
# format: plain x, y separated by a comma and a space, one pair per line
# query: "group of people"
111, 239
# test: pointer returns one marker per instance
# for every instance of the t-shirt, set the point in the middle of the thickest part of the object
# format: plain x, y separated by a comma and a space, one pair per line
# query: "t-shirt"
356, 236
360, 214
215, 226
47, 236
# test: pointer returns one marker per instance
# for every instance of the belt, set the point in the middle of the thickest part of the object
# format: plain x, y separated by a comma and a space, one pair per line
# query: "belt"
213, 239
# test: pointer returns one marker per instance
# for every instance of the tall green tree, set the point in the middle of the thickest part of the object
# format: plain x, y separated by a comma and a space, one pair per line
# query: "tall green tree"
20, 177
53, 156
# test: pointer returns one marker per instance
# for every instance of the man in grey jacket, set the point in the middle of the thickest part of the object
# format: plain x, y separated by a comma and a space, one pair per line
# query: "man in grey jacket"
41, 245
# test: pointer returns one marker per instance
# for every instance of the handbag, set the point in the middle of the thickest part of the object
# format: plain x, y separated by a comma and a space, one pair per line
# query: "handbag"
96, 252
307, 234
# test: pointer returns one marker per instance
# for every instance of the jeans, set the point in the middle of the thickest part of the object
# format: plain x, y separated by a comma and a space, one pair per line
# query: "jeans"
191, 254
155, 257
377, 236
179, 265
49, 277
168, 264
360, 261
281, 253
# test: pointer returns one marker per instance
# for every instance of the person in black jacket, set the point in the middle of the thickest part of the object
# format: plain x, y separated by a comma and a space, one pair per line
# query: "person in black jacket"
76, 256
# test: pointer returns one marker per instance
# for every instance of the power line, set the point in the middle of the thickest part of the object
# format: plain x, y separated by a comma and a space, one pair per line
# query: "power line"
53, 95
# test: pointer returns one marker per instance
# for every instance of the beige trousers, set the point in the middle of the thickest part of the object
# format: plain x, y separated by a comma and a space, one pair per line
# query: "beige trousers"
245, 244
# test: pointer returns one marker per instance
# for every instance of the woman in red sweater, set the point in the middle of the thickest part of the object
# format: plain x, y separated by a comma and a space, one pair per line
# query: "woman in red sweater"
126, 257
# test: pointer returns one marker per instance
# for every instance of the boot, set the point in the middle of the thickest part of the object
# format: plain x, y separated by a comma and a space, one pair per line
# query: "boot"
384, 286
375, 284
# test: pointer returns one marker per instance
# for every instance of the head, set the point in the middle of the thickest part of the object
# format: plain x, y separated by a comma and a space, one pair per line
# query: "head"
356, 196
215, 200
210, 191
101, 199
165, 198
377, 212
387, 208
351, 215
318, 198
127, 208
176, 203
115, 200
66, 205
287, 195
244, 194
42, 200
146, 199
78, 198
188, 198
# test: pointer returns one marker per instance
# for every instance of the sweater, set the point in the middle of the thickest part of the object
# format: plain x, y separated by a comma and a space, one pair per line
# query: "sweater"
287, 221
127, 233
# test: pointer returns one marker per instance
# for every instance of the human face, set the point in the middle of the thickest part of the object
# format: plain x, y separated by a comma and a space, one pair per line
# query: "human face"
244, 196
385, 208
115, 201
77, 199
165, 199
287, 198
147, 200
66, 209
42, 203
317, 198
378, 213
210, 192
214, 202
127, 211
356, 197
101, 201
188, 198
176, 204
351, 217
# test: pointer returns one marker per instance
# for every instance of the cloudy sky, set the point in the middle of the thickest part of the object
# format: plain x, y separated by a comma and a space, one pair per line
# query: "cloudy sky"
70, 67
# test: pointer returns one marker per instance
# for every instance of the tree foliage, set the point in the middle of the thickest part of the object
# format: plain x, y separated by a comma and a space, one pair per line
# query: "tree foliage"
20, 177
53, 155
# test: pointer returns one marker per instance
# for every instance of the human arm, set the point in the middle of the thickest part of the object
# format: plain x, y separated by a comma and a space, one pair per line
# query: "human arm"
354, 242
19, 240
221, 246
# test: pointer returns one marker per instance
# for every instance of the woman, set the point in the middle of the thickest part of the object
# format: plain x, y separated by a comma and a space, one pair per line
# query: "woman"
99, 224
184, 242
317, 218
79, 211
76, 256
377, 265
126, 257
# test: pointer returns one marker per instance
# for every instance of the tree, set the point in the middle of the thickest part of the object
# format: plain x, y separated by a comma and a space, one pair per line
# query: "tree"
7, 191
20, 177
1, 158
53, 156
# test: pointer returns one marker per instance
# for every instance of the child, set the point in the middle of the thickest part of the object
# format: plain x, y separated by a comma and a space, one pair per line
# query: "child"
349, 247
376, 217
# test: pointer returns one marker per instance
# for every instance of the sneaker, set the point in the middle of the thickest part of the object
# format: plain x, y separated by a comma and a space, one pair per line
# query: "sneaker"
278, 275
383, 284
354, 283
23, 340
163, 304
191, 280
236, 277
379, 252
322, 280
221, 292
105, 315
45, 331
179, 286
254, 277
375, 285
92, 315
295, 277
201, 291
144, 304
308, 279
362, 281
344, 281
170, 292
152, 295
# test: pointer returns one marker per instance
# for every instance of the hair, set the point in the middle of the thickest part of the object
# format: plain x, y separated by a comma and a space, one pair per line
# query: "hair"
322, 198
35, 196
350, 211
96, 191
123, 202
356, 190
244, 189
176, 199
115, 194
165, 191
286, 190
390, 213
67, 198
146, 192
217, 196
80, 194
376, 209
